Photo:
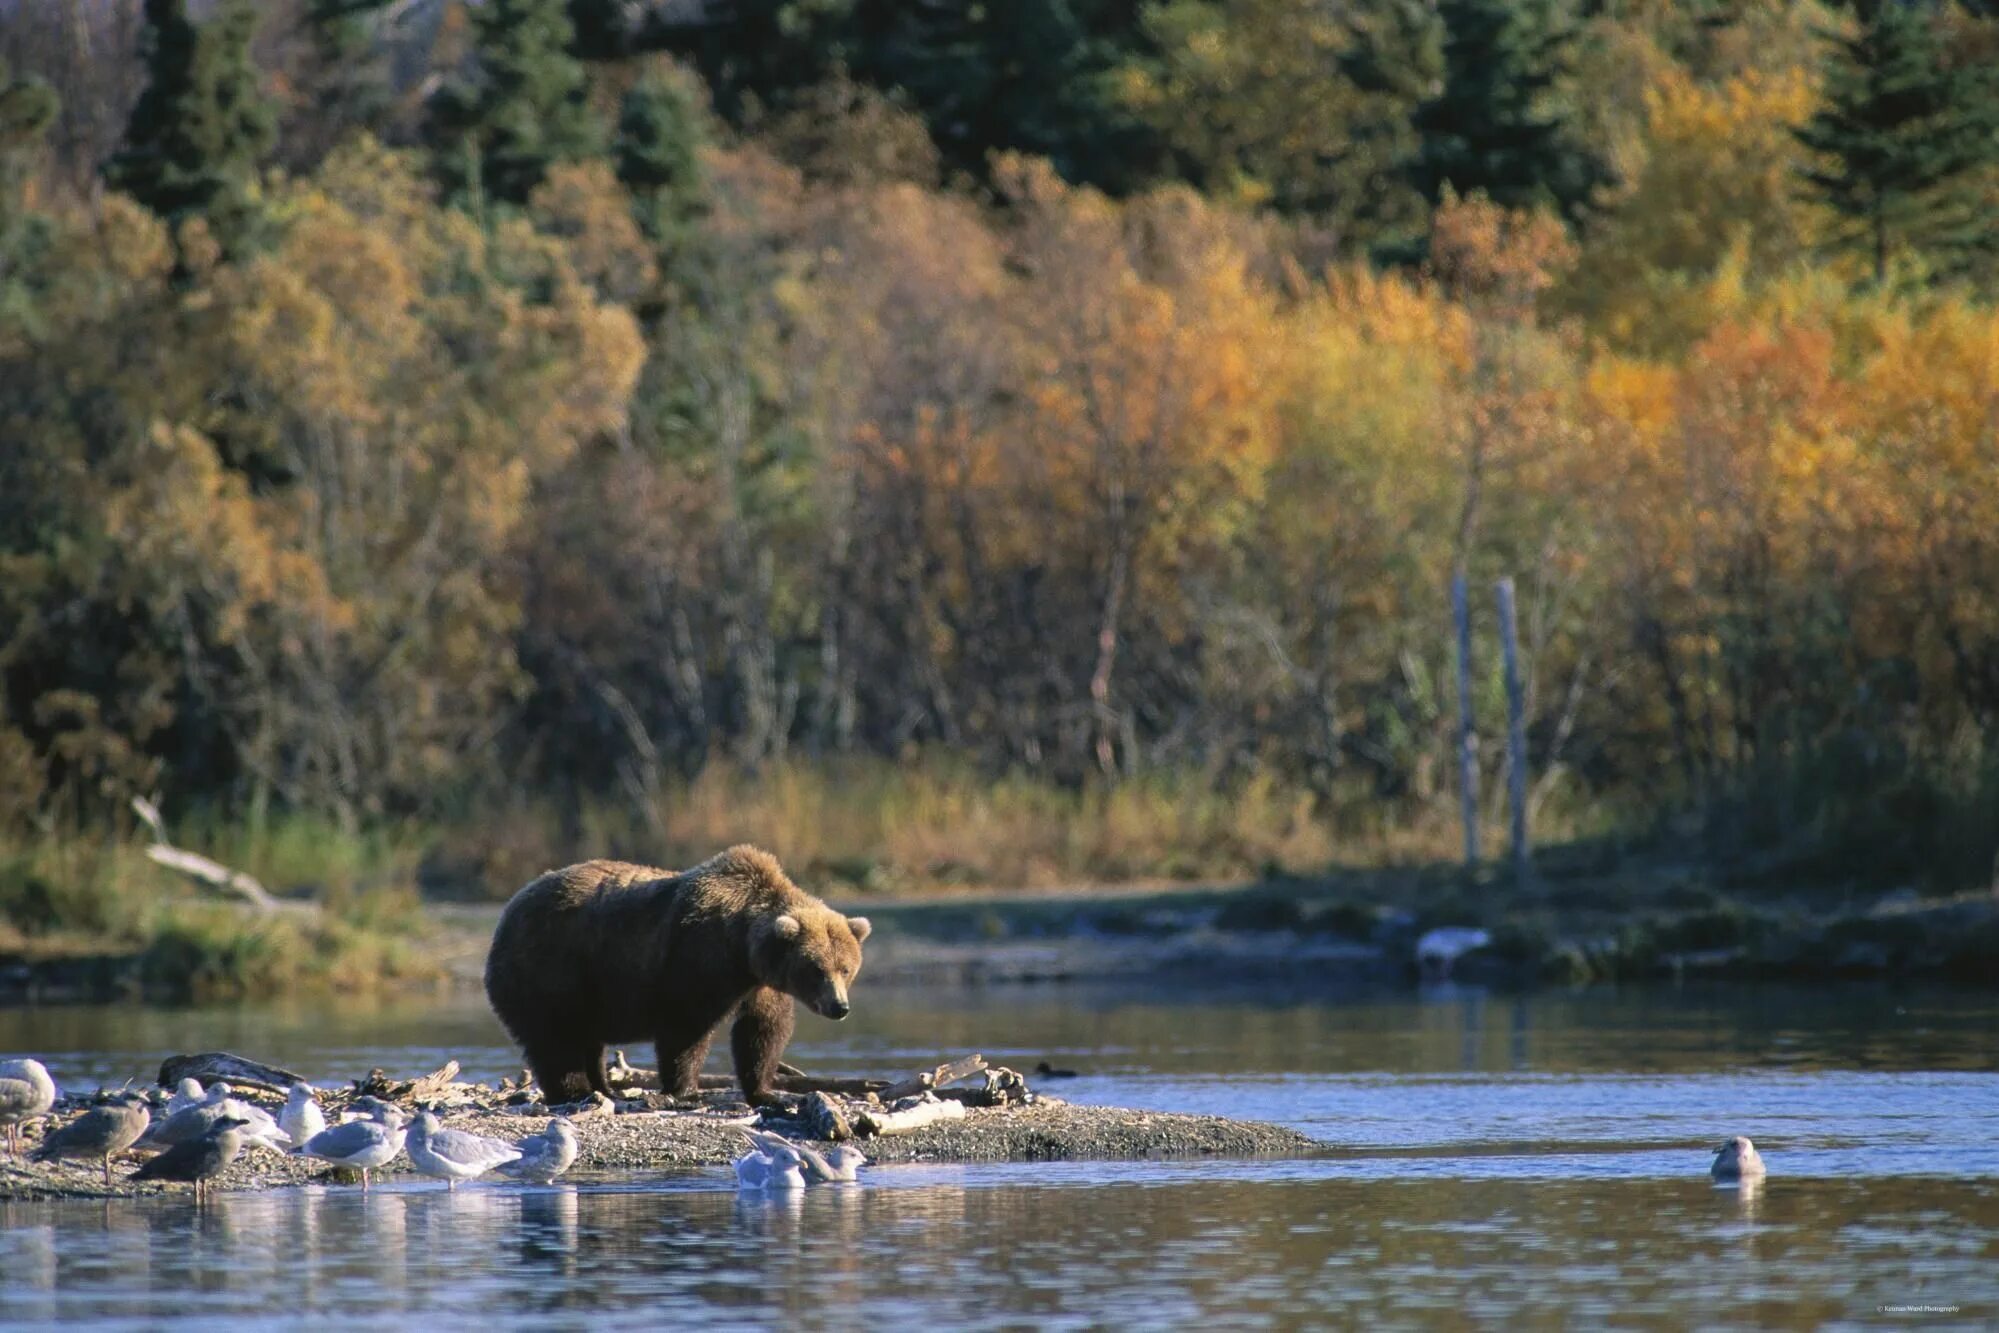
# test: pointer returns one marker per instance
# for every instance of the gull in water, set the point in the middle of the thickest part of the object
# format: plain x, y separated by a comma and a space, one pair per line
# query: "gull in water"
544, 1156
186, 1095
199, 1160
1736, 1159
26, 1093
838, 1165
774, 1169
452, 1155
1441, 948
101, 1132
301, 1118
360, 1145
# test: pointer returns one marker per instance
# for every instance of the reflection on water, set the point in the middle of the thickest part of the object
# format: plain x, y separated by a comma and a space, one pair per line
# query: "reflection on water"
1490, 1159
990, 1246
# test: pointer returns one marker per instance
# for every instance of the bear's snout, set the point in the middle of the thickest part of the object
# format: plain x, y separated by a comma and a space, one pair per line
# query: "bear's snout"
836, 1009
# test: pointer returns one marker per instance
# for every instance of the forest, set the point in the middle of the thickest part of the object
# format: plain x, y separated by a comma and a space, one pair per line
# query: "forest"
1003, 443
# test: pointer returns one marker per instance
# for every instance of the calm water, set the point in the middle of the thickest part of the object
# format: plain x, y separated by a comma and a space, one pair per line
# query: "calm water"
1489, 1160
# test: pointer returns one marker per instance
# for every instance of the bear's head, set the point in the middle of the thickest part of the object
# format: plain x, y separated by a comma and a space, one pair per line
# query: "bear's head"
811, 953
798, 944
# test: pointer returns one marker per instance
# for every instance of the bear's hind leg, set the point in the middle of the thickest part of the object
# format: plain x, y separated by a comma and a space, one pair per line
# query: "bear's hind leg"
680, 1059
762, 1027
564, 1070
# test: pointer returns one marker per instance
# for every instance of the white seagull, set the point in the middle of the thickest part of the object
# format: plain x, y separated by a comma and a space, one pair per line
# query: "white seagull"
775, 1169
26, 1093
187, 1094
544, 1156
301, 1118
452, 1155
360, 1145
838, 1165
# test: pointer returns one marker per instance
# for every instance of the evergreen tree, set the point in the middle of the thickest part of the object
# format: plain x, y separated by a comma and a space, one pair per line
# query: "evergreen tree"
496, 133
1489, 128
657, 152
1903, 133
347, 85
27, 108
600, 29
202, 125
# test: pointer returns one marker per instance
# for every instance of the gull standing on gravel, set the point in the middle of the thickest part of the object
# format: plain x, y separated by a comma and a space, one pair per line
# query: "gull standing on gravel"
360, 1145
839, 1165
544, 1156
187, 1094
774, 1169
199, 1160
452, 1155
301, 1118
1736, 1159
101, 1132
261, 1127
26, 1093
189, 1123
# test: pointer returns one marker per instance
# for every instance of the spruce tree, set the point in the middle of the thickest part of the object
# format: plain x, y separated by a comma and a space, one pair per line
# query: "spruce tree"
657, 152
1489, 128
347, 85
1902, 135
202, 125
525, 108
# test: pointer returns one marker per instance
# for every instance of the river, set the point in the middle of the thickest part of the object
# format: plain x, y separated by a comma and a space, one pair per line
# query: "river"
1537, 1159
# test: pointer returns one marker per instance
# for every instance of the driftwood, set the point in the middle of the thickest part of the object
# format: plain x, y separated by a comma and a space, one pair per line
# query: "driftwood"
999, 1087
440, 1087
237, 1072
200, 868
941, 1076
873, 1123
823, 1119
845, 1087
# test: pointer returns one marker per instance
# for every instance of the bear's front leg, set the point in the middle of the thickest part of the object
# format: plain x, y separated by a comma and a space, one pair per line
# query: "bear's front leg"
682, 1052
763, 1026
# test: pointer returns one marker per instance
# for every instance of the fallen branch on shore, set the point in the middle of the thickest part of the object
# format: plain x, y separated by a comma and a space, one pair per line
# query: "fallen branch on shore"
235, 1070
206, 871
874, 1123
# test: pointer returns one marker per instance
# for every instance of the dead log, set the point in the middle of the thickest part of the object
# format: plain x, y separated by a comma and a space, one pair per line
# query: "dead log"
200, 868
822, 1119
873, 1123
963, 1067
237, 1072
999, 1087
439, 1087
843, 1087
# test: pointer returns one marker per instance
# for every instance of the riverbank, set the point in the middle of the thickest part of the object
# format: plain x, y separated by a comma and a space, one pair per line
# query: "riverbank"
1588, 915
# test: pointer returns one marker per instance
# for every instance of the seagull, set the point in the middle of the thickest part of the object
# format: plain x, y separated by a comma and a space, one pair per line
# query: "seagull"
100, 1133
190, 1123
544, 1156
776, 1169
838, 1165
262, 1131
452, 1155
199, 1160
1440, 948
1736, 1159
360, 1145
301, 1118
186, 1095
26, 1093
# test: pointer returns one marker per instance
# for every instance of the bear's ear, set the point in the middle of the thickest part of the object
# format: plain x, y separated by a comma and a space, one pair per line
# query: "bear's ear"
859, 925
786, 927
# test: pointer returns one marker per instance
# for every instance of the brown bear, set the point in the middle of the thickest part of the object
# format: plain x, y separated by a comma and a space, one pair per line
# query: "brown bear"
607, 952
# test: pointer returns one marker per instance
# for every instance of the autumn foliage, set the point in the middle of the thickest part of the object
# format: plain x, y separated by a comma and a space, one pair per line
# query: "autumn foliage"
414, 509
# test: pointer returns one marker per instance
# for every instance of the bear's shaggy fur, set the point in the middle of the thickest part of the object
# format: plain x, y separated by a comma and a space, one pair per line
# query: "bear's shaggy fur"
606, 952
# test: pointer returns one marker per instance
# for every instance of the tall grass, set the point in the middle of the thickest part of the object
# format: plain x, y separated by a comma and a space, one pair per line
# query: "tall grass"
354, 918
